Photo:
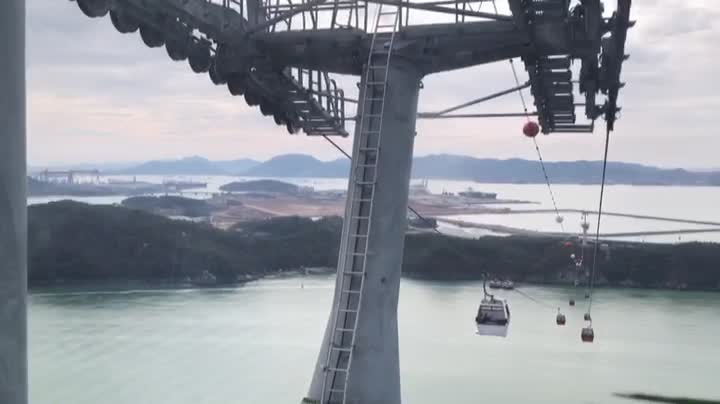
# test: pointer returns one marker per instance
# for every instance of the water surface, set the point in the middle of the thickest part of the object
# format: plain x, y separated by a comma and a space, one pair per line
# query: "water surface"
258, 344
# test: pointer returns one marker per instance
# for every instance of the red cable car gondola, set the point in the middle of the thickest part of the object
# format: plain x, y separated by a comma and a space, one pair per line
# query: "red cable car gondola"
587, 334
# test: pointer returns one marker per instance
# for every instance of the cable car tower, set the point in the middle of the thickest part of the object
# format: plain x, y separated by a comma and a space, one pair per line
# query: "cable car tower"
282, 55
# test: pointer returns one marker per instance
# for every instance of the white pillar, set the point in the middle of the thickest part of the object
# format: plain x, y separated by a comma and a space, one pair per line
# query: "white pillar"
375, 371
13, 210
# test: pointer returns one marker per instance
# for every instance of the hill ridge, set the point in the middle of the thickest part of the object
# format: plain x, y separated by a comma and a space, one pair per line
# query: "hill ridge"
439, 166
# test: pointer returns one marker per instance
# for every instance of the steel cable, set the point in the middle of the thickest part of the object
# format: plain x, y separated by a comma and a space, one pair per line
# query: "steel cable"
597, 230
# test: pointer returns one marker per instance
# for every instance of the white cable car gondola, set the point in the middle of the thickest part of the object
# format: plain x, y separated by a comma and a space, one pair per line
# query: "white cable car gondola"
493, 316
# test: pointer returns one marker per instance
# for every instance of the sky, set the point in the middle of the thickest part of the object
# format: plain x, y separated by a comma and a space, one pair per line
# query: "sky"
95, 95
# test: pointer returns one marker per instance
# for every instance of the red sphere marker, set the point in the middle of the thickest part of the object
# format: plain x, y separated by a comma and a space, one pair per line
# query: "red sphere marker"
531, 129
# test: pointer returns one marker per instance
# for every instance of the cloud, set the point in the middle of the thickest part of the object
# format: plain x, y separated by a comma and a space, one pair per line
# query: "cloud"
95, 95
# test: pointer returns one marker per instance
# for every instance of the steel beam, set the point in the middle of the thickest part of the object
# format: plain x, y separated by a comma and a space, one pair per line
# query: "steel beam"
457, 116
13, 209
284, 16
447, 10
477, 101
374, 376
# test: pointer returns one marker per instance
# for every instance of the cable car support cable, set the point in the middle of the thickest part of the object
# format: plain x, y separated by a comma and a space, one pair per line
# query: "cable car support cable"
410, 208
536, 300
460, 253
537, 147
597, 230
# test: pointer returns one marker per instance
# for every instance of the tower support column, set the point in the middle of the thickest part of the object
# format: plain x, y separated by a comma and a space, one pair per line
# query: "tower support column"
13, 208
374, 374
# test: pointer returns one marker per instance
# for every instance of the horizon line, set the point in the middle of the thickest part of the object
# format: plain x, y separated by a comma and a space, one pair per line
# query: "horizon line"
36, 165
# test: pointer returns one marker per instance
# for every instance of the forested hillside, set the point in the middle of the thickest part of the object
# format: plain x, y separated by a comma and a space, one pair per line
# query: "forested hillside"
70, 241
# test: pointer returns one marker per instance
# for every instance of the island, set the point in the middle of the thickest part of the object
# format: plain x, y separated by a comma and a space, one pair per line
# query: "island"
266, 186
169, 205
71, 242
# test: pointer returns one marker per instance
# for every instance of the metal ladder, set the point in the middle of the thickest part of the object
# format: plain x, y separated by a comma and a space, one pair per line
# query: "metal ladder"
362, 195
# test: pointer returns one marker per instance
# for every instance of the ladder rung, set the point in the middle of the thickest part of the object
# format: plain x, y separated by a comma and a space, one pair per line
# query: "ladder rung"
353, 273
347, 311
375, 83
367, 165
344, 330
337, 370
336, 390
369, 149
386, 25
359, 235
342, 349
351, 292
378, 67
362, 200
364, 182
374, 99
388, 12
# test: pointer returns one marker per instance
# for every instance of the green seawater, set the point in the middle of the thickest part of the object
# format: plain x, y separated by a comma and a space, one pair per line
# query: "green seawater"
258, 344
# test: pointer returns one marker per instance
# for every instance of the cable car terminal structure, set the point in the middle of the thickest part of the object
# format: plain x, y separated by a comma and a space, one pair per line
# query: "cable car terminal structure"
281, 55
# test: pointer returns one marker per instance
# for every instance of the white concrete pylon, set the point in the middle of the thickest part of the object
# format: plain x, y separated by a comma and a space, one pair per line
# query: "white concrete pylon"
13, 206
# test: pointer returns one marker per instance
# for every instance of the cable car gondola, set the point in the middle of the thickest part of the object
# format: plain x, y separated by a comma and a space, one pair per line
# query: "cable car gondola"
493, 316
560, 318
587, 334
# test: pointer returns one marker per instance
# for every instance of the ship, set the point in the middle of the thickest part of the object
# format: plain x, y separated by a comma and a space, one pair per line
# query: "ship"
181, 185
470, 193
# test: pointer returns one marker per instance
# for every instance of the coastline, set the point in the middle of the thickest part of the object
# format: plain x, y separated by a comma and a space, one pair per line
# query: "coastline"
161, 285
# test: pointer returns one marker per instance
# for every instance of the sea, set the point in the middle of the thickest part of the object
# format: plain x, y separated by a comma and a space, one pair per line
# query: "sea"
257, 344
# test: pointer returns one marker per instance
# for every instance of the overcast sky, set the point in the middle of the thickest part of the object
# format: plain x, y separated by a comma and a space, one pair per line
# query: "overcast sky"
96, 95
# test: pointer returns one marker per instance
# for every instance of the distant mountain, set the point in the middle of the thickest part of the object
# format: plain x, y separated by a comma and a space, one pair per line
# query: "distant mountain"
516, 171
190, 166
186, 166
512, 171
299, 165
445, 166
238, 166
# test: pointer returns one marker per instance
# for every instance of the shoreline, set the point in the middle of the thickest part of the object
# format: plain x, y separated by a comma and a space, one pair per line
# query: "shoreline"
129, 286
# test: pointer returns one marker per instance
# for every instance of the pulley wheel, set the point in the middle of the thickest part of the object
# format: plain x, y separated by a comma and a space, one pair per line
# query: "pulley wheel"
151, 37
199, 58
94, 8
123, 22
